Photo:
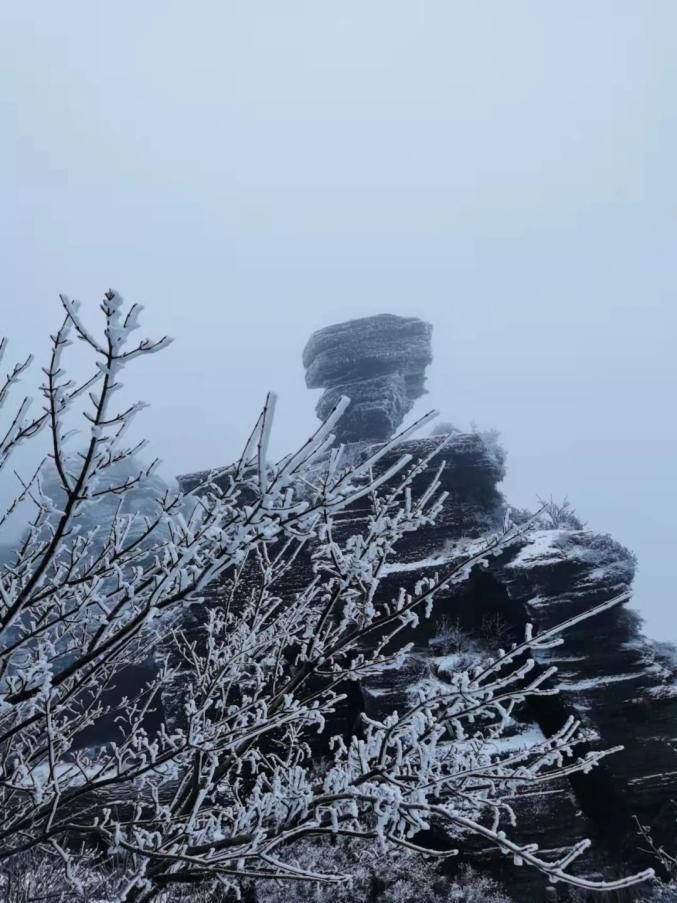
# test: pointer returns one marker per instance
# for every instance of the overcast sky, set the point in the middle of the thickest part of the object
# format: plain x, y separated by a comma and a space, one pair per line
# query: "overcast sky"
252, 171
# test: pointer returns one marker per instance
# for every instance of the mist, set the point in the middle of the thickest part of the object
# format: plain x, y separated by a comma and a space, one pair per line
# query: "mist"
251, 172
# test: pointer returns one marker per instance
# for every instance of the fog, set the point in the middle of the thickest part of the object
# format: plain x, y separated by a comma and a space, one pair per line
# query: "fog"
254, 171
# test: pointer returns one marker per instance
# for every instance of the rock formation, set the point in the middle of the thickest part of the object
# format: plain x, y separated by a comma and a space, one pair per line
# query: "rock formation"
379, 363
621, 685
615, 680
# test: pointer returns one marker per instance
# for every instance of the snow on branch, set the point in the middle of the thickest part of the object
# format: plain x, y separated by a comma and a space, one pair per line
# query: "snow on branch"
251, 601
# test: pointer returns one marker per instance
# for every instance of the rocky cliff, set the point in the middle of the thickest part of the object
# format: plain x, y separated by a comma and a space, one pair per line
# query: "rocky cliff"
614, 679
620, 684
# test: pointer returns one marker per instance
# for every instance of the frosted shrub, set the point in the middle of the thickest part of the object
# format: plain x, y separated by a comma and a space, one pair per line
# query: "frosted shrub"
558, 515
662, 891
406, 877
247, 671
397, 879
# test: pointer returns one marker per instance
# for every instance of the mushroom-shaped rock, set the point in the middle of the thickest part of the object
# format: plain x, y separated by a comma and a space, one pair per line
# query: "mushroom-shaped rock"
379, 363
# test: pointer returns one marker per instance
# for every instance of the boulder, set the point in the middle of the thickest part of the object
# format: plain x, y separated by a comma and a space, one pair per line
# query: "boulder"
379, 363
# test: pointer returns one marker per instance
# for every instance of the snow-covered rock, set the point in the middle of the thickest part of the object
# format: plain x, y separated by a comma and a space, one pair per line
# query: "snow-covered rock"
619, 683
378, 362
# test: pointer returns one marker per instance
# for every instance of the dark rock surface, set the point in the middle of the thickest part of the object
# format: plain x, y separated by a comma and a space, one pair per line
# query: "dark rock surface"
378, 362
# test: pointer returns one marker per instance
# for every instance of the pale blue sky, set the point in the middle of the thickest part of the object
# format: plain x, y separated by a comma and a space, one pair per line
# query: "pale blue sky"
252, 171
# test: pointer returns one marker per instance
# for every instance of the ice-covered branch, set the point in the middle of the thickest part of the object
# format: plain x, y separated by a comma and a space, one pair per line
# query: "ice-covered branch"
208, 773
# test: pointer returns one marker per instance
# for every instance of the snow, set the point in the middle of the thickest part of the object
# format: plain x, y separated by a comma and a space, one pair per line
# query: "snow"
398, 567
593, 683
376, 691
455, 661
663, 691
540, 550
530, 736
565, 659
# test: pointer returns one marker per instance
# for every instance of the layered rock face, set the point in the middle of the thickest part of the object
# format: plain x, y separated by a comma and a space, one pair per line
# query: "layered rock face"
618, 683
615, 680
378, 362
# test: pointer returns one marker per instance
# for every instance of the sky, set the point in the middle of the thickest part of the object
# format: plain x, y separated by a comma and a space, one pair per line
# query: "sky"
253, 171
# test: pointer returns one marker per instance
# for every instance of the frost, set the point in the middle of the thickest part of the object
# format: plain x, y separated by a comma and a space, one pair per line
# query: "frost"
209, 768
541, 549
593, 683
419, 565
